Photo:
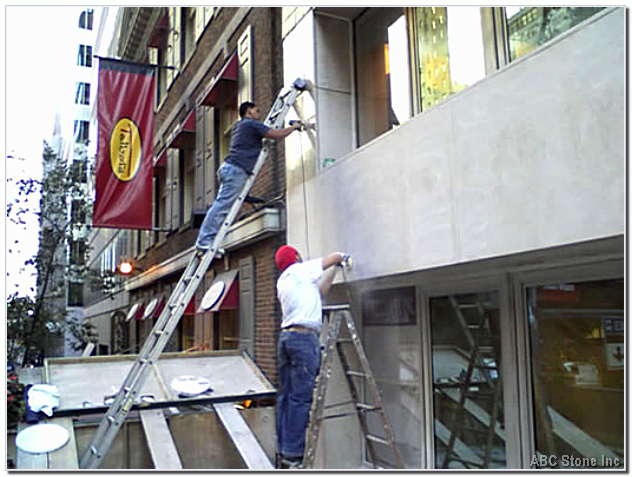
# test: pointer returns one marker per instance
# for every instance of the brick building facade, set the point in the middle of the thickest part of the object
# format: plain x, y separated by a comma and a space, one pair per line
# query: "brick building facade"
219, 57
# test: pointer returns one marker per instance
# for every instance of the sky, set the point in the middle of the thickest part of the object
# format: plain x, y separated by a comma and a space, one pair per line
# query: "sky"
38, 84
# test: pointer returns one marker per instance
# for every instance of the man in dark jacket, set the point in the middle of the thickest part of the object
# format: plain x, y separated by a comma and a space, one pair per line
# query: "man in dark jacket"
245, 146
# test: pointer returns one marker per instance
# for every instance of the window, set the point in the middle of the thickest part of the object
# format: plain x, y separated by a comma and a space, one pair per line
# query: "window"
188, 31
85, 56
78, 212
186, 172
389, 322
530, 27
83, 93
467, 385
79, 171
448, 50
382, 77
85, 19
81, 131
578, 364
78, 252
75, 294
227, 118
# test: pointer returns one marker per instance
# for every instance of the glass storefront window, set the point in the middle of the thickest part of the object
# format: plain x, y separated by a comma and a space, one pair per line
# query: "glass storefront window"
577, 352
382, 71
530, 27
469, 423
449, 51
392, 343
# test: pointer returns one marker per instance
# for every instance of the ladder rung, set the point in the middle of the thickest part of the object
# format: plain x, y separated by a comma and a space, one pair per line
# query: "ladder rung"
159, 332
367, 407
378, 439
467, 305
357, 373
486, 366
344, 340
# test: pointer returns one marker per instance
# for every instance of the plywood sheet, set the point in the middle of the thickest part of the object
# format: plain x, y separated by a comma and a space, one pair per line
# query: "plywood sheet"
84, 382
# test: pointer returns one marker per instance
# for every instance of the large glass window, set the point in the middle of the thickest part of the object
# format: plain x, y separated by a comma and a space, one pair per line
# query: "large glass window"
449, 51
382, 71
577, 351
530, 27
467, 382
392, 343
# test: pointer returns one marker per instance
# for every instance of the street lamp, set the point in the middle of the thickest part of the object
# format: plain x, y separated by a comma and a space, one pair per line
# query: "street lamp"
127, 268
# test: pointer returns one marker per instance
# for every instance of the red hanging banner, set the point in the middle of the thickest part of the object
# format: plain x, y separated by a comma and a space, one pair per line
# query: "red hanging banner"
124, 150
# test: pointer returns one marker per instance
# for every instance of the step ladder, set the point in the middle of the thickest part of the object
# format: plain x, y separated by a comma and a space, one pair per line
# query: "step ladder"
351, 353
193, 275
483, 359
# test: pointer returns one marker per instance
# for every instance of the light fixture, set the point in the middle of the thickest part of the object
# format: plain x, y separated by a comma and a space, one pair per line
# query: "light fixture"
127, 268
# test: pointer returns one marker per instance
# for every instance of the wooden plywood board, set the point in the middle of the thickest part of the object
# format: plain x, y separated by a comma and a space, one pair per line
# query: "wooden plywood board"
160, 441
84, 382
66, 457
245, 441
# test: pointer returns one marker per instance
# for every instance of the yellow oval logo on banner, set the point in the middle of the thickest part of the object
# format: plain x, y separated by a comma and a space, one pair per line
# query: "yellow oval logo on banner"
125, 149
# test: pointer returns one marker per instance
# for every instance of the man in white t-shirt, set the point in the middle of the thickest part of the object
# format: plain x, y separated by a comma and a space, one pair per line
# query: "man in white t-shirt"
299, 289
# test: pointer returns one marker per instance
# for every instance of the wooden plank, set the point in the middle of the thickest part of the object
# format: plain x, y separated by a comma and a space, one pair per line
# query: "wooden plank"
159, 440
26, 460
66, 457
475, 410
247, 444
578, 439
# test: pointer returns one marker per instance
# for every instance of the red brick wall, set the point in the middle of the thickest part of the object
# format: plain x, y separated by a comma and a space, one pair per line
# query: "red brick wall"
267, 74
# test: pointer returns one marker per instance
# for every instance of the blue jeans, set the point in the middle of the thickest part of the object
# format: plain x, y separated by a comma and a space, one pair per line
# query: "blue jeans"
299, 363
232, 180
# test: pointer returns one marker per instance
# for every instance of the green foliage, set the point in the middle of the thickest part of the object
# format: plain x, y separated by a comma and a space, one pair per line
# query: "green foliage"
33, 322
15, 400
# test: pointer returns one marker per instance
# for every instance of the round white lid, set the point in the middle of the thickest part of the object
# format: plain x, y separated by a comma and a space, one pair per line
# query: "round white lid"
42, 438
189, 385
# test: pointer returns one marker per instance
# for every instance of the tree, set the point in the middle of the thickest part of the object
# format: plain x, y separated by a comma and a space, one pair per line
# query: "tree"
35, 323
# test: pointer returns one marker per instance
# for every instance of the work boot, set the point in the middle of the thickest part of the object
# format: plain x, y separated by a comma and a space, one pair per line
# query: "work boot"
291, 462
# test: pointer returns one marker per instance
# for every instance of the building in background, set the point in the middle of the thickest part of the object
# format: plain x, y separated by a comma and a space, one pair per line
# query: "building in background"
66, 292
218, 57
472, 160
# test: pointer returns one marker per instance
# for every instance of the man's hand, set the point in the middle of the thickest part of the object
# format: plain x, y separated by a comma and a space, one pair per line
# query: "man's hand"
345, 260
297, 124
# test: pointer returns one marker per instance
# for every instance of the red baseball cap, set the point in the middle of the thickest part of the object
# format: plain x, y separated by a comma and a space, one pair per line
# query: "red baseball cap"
285, 256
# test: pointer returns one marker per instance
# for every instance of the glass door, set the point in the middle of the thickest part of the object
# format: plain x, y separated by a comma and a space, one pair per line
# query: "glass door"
469, 416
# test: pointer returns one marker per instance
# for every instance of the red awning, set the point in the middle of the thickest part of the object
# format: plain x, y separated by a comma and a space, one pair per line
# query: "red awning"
154, 308
160, 29
160, 160
190, 309
135, 312
223, 294
184, 133
223, 87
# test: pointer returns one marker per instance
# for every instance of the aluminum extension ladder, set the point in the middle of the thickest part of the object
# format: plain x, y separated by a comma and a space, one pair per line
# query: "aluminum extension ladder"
351, 354
173, 310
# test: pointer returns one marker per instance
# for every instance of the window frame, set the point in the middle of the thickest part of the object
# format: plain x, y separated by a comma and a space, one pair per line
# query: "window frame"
429, 289
607, 269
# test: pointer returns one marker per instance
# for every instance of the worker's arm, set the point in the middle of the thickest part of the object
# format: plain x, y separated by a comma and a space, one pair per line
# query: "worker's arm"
327, 279
281, 133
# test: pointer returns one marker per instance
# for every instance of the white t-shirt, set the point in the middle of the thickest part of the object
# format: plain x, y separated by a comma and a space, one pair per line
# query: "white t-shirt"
297, 290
